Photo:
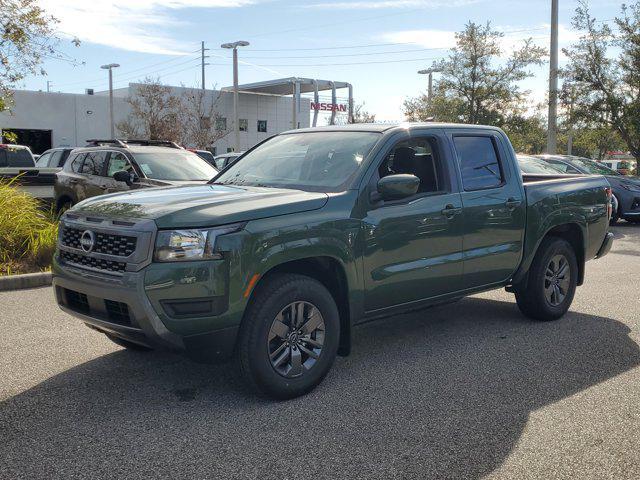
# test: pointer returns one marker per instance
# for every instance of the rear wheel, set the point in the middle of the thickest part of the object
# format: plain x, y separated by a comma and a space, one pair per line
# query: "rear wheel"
289, 337
63, 206
553, 277
615, 214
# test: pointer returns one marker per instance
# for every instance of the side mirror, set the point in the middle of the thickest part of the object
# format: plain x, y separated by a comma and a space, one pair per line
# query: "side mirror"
396, 187
123, 176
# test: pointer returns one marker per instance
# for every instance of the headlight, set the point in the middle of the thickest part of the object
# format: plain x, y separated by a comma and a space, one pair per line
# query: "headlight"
631, 187
190, 244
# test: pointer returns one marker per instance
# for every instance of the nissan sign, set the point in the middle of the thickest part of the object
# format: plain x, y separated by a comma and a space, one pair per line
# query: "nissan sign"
329, 107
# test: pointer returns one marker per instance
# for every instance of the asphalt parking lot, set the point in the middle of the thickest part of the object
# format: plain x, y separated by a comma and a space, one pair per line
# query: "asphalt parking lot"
467, 390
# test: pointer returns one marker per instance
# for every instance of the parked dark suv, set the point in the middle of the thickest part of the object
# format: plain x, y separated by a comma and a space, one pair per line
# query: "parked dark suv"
109, 166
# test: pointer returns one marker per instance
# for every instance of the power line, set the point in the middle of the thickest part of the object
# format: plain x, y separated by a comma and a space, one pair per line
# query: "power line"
343, 64
127, 72
329, 48
352, 54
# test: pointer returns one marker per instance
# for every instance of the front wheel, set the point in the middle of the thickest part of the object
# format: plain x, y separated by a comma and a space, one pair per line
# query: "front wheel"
289, 336
553, 278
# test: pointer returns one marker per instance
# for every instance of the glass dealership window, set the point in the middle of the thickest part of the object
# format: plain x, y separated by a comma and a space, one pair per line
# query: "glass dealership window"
243, 125
262, 126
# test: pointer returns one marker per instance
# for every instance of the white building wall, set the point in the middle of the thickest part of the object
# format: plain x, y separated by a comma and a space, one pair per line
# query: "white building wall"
74, 118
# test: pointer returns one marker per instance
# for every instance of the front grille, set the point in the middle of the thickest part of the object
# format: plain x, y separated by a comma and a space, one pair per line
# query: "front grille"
118, 312
108, 244
91, 262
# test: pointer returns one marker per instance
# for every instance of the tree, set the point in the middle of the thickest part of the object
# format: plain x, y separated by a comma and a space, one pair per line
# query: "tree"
155, 113
26, 37
474, 87
606, 89
360, 115
200, 121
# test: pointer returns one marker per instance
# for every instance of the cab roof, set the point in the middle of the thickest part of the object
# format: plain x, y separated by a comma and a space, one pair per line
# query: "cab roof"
384, 127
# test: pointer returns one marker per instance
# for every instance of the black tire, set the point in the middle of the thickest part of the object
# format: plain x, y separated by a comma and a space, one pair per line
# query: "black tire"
615, 214
633, 219
63, 206
128, 345
533, 301
256, 341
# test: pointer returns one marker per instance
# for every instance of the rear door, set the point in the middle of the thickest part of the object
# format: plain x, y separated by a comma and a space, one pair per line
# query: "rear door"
493, 207
91, 179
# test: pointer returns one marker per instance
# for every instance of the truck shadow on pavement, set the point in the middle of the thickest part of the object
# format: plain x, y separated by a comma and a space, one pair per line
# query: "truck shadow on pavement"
441, 393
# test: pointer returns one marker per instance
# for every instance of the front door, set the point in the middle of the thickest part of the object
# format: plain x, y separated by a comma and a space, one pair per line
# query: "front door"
413, 247
117, 162
494, 209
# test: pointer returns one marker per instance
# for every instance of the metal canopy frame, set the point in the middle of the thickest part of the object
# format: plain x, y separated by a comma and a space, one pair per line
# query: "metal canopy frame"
296, 86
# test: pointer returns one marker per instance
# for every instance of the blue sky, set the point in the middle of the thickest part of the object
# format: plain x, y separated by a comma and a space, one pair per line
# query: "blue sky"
376, 45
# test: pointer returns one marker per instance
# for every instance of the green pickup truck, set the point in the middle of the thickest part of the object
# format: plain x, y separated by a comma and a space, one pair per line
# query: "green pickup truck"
317, 230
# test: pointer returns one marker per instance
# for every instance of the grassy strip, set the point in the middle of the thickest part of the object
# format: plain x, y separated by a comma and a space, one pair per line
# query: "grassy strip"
28, 234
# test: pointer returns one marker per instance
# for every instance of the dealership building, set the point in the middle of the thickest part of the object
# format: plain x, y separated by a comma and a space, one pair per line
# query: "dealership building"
43, 120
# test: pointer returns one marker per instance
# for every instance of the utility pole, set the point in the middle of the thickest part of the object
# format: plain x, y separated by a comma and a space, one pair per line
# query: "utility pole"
110, 67
236, 128
552, 133
49, 83
202, 50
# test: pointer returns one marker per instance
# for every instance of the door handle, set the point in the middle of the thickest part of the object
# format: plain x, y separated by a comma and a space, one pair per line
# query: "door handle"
512, 203
450, 211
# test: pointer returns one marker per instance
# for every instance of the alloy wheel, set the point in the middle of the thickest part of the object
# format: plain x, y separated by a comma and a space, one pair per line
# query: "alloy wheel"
557, 280
296, 338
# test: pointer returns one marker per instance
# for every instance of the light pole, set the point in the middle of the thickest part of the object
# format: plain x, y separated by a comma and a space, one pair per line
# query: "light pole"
430, 72
110, 67
234, 46
552, 134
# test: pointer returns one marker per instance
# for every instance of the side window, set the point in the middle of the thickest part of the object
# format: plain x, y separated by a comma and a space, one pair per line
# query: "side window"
76, 162
43, 161
55, 158
93, 163
417, 156
479, 162
117, 162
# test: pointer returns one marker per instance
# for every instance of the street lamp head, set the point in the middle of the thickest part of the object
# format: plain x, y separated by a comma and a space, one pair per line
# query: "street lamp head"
233, 45
427, 71
110, 66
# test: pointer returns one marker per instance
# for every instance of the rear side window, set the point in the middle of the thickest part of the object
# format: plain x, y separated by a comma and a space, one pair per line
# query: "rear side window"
76, 163
93, 163
43, 161
16, 157
479, 162
55, 158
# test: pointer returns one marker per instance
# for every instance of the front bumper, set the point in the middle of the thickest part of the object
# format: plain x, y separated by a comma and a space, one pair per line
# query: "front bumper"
120, 306
606, 245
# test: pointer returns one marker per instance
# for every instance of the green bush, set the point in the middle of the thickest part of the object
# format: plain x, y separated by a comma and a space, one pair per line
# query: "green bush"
28, 233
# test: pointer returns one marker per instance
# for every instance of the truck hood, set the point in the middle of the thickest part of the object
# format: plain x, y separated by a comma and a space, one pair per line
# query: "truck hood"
202, 205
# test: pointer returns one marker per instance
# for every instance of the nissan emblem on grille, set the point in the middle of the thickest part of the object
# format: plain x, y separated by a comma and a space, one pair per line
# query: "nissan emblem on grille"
87, 240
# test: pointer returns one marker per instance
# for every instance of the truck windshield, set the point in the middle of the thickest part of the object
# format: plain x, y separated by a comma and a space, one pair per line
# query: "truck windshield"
316, 161
177, 165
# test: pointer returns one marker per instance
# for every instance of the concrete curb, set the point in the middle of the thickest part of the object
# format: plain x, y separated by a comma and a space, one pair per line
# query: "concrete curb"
28, 280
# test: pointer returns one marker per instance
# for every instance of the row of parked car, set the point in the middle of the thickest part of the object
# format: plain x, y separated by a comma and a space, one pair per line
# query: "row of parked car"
66, 175
626, 190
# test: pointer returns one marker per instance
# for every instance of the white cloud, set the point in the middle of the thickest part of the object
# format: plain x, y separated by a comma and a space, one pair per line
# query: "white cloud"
135, 25
379, 4
513, 37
